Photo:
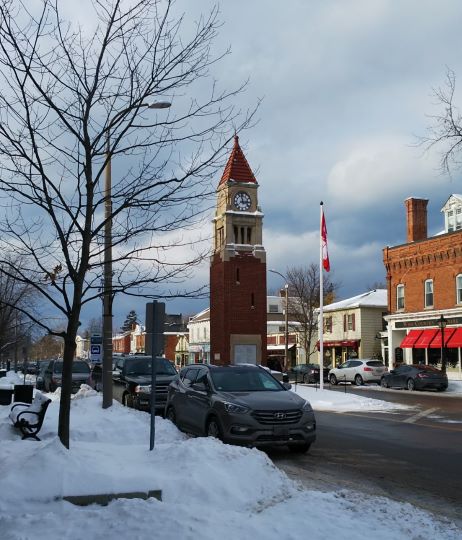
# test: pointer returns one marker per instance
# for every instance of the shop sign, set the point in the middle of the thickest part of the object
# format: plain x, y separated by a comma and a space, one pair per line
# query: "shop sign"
427, 322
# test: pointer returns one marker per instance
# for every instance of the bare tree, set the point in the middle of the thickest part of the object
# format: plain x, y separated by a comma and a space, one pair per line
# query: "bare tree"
72, 102
304, 291
94, 326
445, 131
46, 347
15, 295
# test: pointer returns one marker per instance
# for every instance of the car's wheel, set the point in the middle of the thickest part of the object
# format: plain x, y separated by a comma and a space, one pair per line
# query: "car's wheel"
359, 380
333, 379
299, 448
384, 383
304, 379
171, 415
410, 384
214, 429
127, 400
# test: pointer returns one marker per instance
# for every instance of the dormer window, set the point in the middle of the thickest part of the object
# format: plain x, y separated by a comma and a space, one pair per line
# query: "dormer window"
452, 211
451, 223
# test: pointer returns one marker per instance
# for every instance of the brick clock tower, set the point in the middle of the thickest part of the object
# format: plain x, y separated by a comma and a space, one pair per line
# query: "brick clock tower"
238, 268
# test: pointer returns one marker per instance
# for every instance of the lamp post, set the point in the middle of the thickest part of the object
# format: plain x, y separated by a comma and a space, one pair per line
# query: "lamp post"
442, 322
107, 282
286, 321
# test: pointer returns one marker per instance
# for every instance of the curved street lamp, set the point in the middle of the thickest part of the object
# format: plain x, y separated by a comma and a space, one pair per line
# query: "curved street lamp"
442, 323
286, 321
107, 283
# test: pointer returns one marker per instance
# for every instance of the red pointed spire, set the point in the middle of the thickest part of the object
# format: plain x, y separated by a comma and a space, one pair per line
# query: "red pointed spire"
237, 168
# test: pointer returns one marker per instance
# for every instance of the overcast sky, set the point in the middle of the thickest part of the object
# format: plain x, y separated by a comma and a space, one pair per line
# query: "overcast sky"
347, 88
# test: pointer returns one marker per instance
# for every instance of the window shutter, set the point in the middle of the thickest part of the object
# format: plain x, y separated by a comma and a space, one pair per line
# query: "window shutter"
344, 323
353, 321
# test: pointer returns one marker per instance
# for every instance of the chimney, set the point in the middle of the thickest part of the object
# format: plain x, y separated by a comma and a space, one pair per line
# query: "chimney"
416, 219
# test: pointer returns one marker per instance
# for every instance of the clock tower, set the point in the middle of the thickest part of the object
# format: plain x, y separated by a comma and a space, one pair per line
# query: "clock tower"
238, 268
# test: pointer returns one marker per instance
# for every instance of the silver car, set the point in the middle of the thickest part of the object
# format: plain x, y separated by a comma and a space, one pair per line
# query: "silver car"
240, 404
358, 371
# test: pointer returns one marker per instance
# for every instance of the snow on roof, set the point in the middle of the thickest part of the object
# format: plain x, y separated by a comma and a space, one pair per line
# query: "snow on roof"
375, 298
202, 315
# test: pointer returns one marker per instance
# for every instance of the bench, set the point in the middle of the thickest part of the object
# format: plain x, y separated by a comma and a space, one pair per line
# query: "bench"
28, 417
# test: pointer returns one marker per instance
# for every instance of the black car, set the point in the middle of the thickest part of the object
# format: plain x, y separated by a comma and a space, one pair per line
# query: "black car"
131, 381
241, 404
415, 377
53, 375
307, 373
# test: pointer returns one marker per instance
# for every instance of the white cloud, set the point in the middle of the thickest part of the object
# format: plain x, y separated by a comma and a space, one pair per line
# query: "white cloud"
381, 169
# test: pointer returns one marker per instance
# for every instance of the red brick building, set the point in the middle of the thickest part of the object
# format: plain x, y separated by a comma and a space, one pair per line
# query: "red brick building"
424, 280
238, 268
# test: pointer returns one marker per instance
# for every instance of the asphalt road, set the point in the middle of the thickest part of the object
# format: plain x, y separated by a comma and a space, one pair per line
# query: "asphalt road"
413, 456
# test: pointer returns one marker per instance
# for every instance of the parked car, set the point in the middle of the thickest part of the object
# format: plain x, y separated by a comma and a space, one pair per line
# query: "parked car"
131, 381
415, 377
53, 375
358, 371
307, 373
241, 404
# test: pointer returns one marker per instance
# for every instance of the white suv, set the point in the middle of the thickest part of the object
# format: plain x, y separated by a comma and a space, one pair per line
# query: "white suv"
358, 371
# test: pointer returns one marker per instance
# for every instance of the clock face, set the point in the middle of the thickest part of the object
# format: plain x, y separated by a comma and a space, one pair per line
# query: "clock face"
242, 200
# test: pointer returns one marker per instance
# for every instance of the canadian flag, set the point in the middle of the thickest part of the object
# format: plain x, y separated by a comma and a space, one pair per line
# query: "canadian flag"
325, 253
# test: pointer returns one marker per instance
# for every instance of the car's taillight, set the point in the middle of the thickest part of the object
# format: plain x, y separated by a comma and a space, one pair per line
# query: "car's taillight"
367, 369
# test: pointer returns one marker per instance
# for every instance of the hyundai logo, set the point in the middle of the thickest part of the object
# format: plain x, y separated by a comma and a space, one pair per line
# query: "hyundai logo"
279, 415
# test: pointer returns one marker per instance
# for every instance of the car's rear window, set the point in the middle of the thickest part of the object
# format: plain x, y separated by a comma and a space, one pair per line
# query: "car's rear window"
375, 363
244, 380
77, 367
428, 368
142, 366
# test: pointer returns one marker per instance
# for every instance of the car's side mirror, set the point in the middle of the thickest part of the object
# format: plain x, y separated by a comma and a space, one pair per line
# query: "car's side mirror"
199, 386
287, 385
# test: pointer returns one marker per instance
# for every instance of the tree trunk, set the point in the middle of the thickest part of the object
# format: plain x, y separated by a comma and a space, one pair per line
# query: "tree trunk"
66, 386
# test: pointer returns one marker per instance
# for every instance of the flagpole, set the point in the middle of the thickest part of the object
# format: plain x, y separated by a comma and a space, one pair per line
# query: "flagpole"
321, 296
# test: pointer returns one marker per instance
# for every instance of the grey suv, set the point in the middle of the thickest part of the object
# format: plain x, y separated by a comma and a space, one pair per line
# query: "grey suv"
242, 404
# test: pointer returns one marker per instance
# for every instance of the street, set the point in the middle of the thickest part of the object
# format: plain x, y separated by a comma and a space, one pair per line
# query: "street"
412, 456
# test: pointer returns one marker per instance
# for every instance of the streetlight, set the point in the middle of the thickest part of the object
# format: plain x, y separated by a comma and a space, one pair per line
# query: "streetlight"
442, 322
286, 321
107, 283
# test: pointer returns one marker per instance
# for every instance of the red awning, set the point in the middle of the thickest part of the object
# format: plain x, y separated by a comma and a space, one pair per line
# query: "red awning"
436, 343
410, 339
425, 338
455, 340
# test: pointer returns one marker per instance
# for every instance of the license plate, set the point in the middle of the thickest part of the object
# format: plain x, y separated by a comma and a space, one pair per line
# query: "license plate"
281, 433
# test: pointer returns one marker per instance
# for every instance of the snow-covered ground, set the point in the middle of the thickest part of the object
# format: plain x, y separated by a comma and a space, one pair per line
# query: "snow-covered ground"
209, 490
327, 400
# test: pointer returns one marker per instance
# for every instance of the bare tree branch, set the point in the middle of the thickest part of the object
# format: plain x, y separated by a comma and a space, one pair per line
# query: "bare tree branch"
74, 101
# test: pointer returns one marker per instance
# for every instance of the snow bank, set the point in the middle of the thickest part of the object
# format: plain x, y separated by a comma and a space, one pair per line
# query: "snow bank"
210, 490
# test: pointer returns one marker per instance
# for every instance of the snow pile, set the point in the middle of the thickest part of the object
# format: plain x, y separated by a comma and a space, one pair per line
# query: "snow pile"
11, 378
328, 400
209, 490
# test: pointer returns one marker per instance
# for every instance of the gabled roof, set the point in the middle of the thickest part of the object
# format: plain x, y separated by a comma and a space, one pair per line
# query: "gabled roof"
454, 199
375, 298
203, 315
237, 169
